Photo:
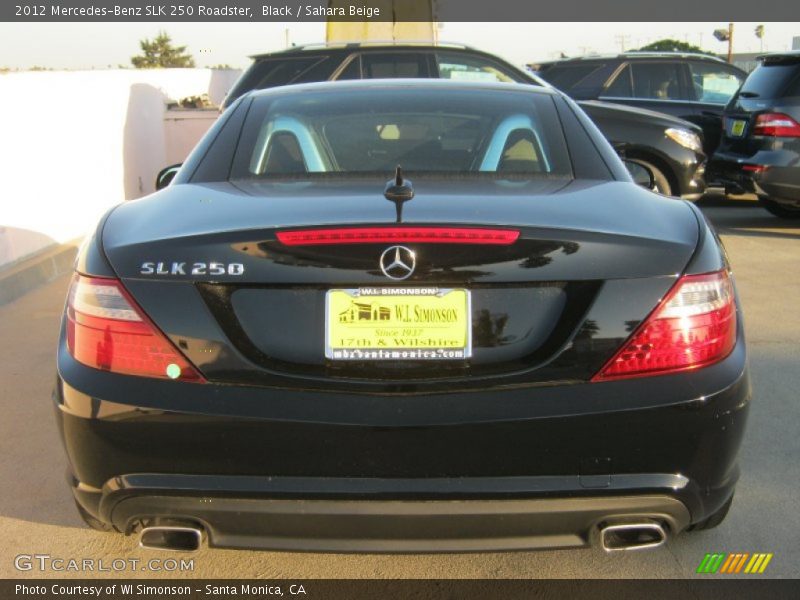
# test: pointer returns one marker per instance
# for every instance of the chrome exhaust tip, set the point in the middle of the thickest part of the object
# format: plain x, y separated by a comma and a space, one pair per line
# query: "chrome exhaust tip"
632, 536
175, 538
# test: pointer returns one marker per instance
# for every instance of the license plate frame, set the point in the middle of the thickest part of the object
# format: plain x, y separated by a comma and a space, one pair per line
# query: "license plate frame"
456, 337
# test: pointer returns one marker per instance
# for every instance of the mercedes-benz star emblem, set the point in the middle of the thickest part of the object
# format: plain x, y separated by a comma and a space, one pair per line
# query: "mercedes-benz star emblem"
398, 262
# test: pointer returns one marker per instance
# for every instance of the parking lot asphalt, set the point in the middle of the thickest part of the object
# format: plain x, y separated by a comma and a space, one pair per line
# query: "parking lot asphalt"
37, 515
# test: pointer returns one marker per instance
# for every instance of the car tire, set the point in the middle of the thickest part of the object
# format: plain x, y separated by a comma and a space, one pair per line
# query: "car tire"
660, 182
92, 521
713, 520
779, 210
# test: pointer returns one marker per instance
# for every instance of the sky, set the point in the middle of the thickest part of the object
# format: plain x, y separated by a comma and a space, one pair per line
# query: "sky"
103, 45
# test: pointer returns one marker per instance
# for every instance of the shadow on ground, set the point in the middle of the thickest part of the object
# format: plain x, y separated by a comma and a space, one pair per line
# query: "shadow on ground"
747, 219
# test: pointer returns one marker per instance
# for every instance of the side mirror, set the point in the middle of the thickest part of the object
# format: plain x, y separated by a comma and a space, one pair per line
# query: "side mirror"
166, 175
641, 175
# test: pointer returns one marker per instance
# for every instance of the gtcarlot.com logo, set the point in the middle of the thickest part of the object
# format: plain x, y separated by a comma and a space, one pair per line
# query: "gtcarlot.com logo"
45, 562
734, 563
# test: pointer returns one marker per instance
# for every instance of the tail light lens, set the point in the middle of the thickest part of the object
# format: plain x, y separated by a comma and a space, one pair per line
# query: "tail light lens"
391, 235
693, 326
106, 330
776, 125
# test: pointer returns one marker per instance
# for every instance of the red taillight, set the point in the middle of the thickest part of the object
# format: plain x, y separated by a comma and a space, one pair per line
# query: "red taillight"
776, 125
391, 235
108, 331
694, 326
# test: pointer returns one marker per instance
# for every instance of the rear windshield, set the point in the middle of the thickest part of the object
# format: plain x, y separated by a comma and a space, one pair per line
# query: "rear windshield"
772, 81
366, 131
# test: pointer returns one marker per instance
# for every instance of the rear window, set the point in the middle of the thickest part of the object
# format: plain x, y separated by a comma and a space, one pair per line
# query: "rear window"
793, 89
365, 131
772, 81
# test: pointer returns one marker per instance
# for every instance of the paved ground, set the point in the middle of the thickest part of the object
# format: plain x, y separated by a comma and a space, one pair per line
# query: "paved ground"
37, 516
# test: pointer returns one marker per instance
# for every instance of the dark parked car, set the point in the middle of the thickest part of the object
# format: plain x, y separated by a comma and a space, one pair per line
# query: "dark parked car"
670, 148
501, 343
760, 150
694, 87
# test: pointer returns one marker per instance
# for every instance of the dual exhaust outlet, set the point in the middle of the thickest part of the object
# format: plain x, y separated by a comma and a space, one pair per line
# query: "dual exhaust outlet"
613, 537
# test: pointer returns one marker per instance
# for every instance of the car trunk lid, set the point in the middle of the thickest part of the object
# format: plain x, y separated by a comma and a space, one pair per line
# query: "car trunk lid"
206, 264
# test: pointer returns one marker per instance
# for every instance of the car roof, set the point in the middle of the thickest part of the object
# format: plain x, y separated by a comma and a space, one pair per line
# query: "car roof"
632, 55
419, 84
789, 55
372, 45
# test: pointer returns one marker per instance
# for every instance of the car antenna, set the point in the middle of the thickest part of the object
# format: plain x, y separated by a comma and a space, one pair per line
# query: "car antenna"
399, 190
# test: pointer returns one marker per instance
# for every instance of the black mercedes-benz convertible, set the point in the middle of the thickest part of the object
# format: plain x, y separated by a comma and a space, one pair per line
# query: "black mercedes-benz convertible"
405, 316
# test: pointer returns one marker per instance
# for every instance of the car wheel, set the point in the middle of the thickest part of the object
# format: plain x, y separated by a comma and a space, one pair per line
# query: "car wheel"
780, 210
92, 521
660, 182
713, 520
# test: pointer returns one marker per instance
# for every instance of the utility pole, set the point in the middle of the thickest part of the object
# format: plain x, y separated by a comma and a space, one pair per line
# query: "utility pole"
622, 40
730, 42
726, 35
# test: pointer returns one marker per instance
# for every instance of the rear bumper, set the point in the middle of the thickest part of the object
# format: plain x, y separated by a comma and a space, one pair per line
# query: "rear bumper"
264, 521
498, 469
779, 180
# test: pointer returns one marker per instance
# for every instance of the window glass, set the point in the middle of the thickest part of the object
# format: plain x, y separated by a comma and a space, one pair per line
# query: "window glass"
622, 86
793, 89
453, 65
271, 73
567, 77
319, 71
521, 154
770, 80
657, 81
393, 65
352, 70
424, 131
713, 84
283, 154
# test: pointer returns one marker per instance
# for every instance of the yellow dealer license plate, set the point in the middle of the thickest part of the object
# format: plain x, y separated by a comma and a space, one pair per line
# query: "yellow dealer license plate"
398, 324
737, 128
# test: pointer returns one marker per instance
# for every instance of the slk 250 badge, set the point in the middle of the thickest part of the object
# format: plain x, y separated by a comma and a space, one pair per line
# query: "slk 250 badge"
198, 268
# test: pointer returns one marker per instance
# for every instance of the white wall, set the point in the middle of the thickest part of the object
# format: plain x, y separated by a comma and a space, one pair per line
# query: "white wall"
182, 129
74, 143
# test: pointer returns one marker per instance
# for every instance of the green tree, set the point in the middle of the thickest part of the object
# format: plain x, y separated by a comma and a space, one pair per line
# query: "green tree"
669, 45
159, 53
